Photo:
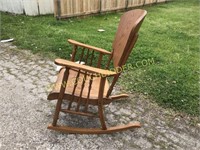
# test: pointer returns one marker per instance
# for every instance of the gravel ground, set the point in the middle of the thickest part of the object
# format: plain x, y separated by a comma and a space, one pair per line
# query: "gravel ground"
26, 113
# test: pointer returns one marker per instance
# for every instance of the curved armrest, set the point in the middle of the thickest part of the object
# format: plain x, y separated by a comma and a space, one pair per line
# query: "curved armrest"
89, 47
71, 64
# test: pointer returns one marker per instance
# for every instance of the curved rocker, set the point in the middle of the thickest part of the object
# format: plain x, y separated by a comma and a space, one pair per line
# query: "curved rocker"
85, 85
67, 129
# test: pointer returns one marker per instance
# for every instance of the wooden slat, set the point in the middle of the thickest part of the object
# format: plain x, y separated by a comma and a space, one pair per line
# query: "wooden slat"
88, 96
91, 60
109, 61
81, 92
99, 60
109, 5
86, 57
94, 6
60, 97
74, 53
79, 113
70, 87
74, 89
85, 6
135, 3
76, 83
64, 5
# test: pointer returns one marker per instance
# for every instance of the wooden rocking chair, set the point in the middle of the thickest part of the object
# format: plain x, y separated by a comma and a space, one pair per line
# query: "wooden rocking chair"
82, 81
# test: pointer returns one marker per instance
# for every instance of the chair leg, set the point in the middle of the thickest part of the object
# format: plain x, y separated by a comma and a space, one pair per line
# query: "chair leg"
57, 112
101, 117
60, 97
100, 103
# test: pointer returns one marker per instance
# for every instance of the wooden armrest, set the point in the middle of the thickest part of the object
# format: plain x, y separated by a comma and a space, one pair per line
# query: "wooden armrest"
71, 64
89, 47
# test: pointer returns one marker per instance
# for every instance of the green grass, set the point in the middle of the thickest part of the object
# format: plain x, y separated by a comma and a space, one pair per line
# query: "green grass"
169, 36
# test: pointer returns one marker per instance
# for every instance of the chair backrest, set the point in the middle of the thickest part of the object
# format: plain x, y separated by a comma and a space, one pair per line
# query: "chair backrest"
125, 39
126, 35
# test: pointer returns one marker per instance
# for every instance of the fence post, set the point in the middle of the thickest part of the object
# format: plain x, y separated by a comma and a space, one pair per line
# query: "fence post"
144, 2
59, 10
126, 4
156, 1
38, 7
100, 6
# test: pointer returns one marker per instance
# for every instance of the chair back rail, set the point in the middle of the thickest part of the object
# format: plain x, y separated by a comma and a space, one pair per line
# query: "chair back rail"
126, 34
125, 39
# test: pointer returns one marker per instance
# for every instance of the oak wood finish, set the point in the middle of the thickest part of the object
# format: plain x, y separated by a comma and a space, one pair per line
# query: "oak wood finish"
60, 97
89, 47
98, 71
78, 113
69, 90
84, 85
116, 97
67, 129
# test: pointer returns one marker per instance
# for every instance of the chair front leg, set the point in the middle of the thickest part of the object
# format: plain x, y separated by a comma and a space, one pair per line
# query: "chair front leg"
60, 97
57, 112
100, 103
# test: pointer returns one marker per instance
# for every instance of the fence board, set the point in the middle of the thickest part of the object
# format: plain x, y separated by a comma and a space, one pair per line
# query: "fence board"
11, 6
96, 6
161, 0
66, 7
77, 7
107, 5
134, 3
150, 1
7, 5
69, 8
17, 6
45, 6
31, 7
3, 5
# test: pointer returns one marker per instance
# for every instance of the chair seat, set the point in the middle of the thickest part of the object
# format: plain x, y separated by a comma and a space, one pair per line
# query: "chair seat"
93, 97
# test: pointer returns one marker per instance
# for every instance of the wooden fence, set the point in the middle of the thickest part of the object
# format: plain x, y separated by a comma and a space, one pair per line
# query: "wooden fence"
70, 8
28, 7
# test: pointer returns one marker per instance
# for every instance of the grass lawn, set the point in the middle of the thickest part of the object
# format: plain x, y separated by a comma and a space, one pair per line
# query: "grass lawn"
165, 60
